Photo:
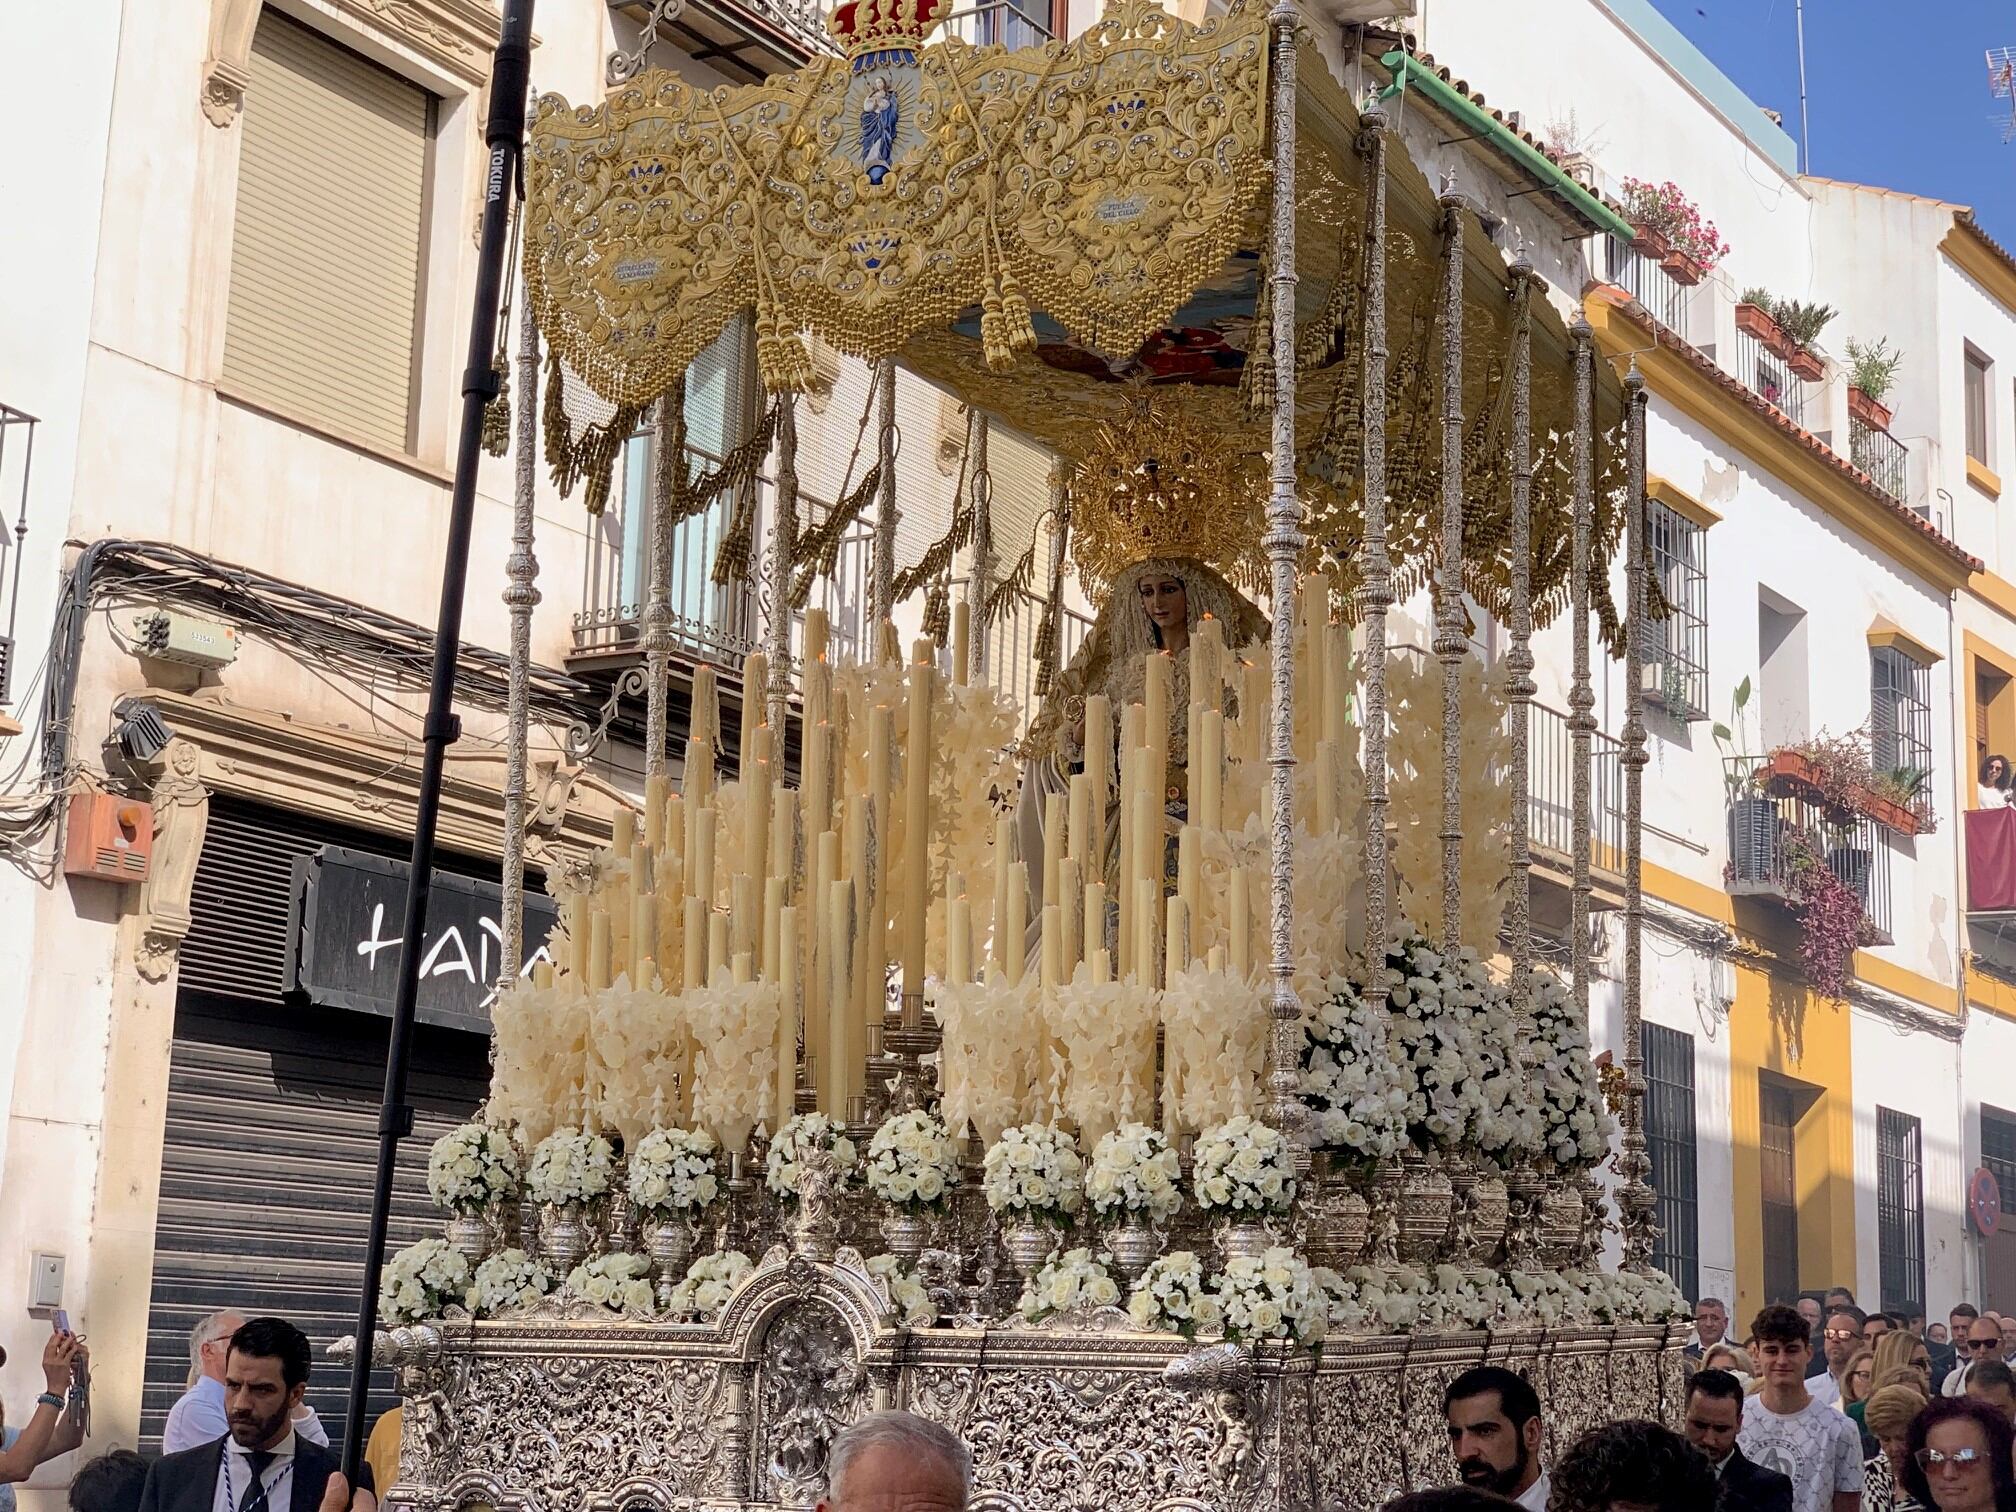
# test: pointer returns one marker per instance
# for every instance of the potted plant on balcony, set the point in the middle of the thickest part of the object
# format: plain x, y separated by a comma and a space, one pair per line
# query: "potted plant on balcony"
1671, 228
1872, 373
1836, 773
1753, 817
1802, 322
1833, 913
1754, 317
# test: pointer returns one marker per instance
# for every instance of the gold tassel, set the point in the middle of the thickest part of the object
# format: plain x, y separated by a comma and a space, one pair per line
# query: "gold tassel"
780, 356
994, 331
497, 413
1021, 326
938, 612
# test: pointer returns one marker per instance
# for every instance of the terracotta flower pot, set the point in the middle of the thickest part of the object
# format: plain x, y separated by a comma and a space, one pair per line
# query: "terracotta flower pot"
1755, 320
1869, 411
1683, 268
1805, 364
1653, 242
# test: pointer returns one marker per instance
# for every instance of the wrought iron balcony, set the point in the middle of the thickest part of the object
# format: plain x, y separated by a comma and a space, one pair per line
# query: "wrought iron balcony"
1550, 776
1648, 283
1879, 454
1767, 375
1775, 841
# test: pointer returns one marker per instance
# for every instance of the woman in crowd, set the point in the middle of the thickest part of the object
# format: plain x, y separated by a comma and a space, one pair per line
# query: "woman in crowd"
1993, 791
1960, 1458
1733, 1358
1887, 1415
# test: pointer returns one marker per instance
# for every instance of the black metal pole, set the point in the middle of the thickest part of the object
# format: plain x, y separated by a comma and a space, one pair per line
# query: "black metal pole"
505, 134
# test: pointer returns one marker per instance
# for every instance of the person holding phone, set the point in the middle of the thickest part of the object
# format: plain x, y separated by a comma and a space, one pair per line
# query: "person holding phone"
57, 1425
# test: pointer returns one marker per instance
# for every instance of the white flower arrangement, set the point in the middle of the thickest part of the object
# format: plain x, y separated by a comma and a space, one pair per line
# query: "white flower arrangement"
1574, 1121
911, 1163
471, 1168
1073, 1281
1273, 1296
709, 1284
1135, 1171
1034, 1171
421, 1280
1369, 1300
1243, 1166
907, 1294
1353, 1086
1455, 1043
508, 1280
621, 1283
673, 1171
570, 1166
800, 1136
1173, 1296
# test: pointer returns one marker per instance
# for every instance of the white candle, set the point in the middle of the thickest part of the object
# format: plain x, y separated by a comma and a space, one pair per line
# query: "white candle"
705, 721
598, 950
1207, 773
643, 930
1098, 765
1176, 954
1015, 945
787, 1019
1004, 857
1055, 806
755, 673
1052, 948
1239, 911
1146, 944
959, 941
962, 634
1067, 901
1094, 926
1189, 879
783, 836
1079, 843
815, 635
839, 1075
718, 955
773, 911
623, 833
695, 971
1327, 785
703, 856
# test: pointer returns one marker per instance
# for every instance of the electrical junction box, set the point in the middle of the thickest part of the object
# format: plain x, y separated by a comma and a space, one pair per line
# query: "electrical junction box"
170, 635
109, 837
45, 1282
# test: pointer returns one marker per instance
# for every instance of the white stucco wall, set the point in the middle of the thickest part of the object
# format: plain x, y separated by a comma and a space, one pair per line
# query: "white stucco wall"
1911, 1071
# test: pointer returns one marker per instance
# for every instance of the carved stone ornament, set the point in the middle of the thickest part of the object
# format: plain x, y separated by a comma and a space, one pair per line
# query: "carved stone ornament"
181, 819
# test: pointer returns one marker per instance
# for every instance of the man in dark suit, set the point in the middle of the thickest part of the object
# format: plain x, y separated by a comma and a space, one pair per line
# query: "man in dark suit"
1714, 1416
261, 1465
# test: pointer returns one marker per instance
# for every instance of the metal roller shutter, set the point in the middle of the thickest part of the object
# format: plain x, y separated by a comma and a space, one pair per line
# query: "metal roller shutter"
266, 1178
327, 257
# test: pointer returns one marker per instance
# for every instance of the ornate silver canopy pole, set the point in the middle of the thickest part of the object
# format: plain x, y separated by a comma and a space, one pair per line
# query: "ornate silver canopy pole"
1450, 642
980, 582
1375, 580
1284, 543
668, 435
777, 568
883, 591
1519, 658
1635, 1195
521, 596
1581, 700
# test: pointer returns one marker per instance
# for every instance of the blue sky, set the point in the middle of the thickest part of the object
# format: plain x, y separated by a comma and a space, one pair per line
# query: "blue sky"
1890, 103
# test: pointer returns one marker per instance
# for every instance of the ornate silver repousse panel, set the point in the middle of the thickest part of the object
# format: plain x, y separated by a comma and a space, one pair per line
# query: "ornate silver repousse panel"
811, 1385
558, 1429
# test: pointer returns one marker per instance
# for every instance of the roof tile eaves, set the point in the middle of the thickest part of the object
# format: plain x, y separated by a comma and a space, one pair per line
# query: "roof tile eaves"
1759, 405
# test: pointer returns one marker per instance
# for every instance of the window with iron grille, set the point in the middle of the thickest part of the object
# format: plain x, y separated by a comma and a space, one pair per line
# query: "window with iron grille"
1900, 1207
1676, 645
1900, 713
1669, 1141
1998, 1151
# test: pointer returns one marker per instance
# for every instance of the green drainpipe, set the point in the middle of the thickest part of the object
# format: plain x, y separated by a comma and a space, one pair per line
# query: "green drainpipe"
1407, 70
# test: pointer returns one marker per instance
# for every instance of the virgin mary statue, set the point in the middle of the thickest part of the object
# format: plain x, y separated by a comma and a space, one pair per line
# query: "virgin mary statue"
1152, 515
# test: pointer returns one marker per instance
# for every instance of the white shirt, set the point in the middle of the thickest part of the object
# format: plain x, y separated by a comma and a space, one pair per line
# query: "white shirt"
234, 1474
1535, 1499
1956, 1383
1816, 1447
1824, 1388
198, 1418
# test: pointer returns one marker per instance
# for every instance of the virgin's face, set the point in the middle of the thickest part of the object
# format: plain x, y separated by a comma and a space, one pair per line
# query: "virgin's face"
1165, 603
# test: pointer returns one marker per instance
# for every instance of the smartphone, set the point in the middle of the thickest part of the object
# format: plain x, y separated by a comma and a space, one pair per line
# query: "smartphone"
61, 1321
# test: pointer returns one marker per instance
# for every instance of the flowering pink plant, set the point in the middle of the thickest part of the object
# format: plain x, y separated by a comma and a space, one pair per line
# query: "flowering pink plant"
1666, 209
1832, 923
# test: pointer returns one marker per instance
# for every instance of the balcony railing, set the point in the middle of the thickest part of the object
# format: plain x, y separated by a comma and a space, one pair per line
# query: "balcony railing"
1766, 374
1011, 649
1007, 22
1879, 454
1550, 767
1771, 840
1650, 284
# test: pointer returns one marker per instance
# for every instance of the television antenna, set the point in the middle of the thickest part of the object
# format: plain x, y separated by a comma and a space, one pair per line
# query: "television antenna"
2002, 85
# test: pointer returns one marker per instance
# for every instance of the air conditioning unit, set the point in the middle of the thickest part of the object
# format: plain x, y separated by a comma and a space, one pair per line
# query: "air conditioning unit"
108, 837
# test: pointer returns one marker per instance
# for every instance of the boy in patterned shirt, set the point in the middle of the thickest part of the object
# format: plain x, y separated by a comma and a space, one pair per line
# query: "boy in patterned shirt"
1786, 1429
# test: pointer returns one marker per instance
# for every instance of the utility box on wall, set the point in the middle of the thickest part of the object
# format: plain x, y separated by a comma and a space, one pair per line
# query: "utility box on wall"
109, 837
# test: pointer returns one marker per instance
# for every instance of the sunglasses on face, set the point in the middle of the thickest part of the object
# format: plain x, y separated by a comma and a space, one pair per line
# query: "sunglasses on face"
1959, 1459
1978, 1343
1842, 1333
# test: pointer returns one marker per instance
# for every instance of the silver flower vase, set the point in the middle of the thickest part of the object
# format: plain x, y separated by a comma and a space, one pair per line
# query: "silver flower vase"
563, 1237
668, 1241
1244, 1240
1027, 1245
1134, 1246
468, 1234
1491, 1211
1426, 1204
1560, 1223
905, 1233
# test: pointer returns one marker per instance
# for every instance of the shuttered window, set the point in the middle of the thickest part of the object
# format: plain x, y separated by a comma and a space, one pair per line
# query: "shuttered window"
326, 260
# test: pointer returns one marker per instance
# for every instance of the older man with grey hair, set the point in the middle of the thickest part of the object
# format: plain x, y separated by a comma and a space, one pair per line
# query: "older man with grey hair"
897, 1462
198, 1417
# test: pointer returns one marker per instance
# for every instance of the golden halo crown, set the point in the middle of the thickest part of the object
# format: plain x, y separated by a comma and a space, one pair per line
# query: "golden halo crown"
1155, 484
875, 26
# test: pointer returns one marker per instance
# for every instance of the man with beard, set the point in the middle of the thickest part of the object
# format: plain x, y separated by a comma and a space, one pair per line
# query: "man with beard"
1495, 1430
261, 1464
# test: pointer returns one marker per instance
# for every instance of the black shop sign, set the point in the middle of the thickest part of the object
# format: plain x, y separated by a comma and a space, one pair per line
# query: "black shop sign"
344, 947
